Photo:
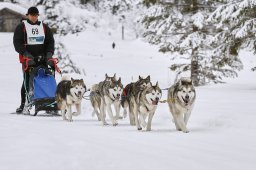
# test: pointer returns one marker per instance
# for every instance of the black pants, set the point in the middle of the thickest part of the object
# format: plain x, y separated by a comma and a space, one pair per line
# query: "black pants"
24, 87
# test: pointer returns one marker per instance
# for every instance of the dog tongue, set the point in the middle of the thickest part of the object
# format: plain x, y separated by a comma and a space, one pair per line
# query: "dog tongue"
154, 102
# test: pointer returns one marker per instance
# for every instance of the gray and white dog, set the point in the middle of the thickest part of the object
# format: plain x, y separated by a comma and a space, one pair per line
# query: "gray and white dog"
129, 96
105, 94
68, 93
95, 97
181, 98
147, 101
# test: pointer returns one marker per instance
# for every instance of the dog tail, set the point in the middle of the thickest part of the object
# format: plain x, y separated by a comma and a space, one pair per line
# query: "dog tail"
65, 77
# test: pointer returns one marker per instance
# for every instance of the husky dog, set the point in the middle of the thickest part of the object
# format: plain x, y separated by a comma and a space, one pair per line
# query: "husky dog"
147, 101
95, 95
70, 92
130, 93
104, 95
181, 98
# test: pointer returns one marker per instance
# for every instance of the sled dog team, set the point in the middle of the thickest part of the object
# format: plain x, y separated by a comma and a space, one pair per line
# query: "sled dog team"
140, 99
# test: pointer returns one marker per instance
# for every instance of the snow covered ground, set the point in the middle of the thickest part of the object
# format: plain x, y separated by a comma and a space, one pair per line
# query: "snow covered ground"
222, 126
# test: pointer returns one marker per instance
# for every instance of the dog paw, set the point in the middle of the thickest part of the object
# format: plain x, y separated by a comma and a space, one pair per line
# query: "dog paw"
139, 128
144, 124
114, 122
70, 120
105, 124
186, 131
75, 113
148, 129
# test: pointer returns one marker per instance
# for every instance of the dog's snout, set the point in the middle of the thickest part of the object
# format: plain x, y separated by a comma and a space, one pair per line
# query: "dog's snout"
157, 98
187, 97
79, 92
118, 95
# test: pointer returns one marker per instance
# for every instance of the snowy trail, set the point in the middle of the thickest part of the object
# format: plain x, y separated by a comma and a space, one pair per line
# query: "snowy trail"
222, 128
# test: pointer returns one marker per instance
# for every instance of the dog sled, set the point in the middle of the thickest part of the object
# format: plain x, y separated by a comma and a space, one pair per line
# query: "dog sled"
42, 90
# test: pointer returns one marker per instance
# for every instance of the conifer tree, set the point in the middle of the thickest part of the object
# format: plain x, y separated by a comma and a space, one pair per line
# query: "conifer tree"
179, 27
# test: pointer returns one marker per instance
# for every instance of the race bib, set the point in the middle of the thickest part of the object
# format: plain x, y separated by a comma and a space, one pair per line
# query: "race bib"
35, 33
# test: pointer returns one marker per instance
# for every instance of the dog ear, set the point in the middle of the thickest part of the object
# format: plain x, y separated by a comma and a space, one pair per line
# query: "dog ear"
72, 80
190, 82
106, 75
148, 77
115, 76
140, 78
150, 84
180, 82
157, 84
119, 80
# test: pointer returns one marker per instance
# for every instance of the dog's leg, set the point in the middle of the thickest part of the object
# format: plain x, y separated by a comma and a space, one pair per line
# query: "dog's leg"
174, 115
131, 115
62, 106
142, 120
176, 124
102, 113
63, 114
125, 109
186, 117
69, 113
150, 117
78, 110
117, 105
124, 113
110, 113
181, 123
95, 111
136, 116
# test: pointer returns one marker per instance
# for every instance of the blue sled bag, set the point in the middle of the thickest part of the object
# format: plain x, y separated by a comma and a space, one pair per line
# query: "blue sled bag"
44, 85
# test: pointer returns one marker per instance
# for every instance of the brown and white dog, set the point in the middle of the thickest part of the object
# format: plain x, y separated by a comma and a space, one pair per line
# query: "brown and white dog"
70, 92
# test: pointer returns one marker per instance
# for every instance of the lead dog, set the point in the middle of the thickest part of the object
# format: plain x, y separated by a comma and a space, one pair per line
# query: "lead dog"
181, 98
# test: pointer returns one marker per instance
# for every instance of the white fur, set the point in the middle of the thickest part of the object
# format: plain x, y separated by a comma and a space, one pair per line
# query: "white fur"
106, 105
146, 113
181, 106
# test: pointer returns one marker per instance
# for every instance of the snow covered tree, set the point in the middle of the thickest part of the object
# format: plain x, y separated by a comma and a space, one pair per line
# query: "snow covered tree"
57, 17
236, 22
179, 27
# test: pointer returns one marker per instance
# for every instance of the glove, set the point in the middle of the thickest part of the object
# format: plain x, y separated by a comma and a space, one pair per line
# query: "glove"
31, 62
49, 56
28, 55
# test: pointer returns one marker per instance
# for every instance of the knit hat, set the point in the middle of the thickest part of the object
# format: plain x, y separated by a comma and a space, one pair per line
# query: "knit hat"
33, 10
